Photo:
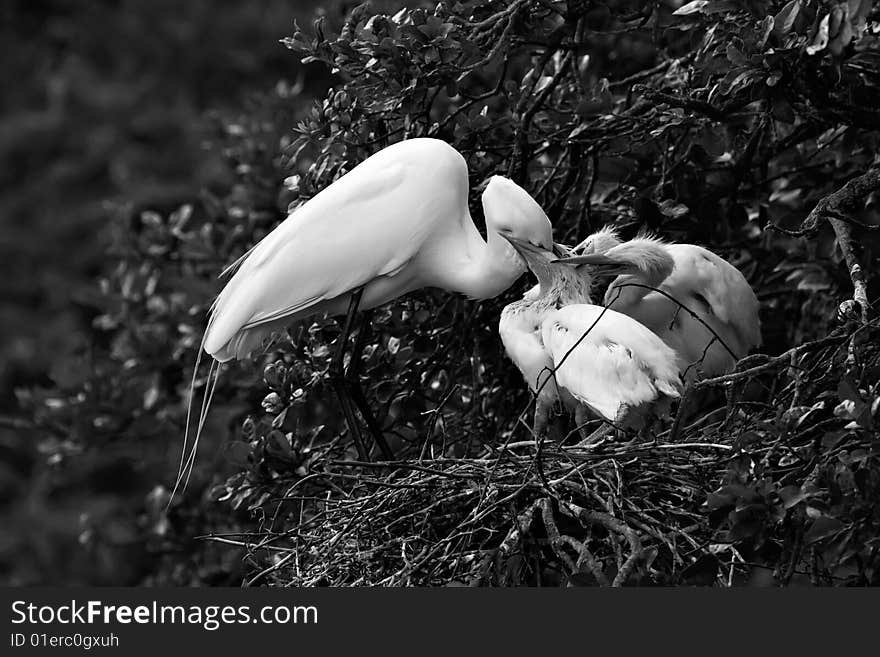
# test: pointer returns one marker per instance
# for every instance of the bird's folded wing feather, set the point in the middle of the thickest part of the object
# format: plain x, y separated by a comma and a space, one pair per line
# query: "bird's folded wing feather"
619, 362
723, 286
366, 224
525, 349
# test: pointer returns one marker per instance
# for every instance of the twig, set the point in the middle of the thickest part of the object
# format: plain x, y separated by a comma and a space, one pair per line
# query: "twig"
613, 524
837, 207
856, 273
775, 361
586, 558
682, 102
842, 202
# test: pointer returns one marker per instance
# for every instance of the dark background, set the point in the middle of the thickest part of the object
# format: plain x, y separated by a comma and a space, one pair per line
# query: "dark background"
146, 145
104, 104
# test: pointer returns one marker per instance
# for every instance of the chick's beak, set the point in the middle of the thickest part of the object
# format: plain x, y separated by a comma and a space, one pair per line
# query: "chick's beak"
561, 251
601, 264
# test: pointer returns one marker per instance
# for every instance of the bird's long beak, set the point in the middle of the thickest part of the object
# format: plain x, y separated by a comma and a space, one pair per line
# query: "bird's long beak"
531, 254
602, 265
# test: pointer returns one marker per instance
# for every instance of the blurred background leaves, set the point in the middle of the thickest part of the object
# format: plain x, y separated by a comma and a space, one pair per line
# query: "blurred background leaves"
108, 108
148, 145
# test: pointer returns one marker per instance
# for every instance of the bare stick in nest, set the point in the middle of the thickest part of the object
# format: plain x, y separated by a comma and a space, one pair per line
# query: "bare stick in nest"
553, 534
517, 530
611, 524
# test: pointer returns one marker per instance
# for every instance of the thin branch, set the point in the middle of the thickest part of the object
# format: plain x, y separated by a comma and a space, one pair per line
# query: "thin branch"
775, 361
612, 524
836, 208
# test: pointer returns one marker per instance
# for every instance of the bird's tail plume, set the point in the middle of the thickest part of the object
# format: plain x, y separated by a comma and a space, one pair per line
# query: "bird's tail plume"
187, 460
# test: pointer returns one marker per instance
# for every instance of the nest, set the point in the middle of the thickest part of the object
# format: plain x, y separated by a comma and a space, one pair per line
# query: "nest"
517, 516
670, 510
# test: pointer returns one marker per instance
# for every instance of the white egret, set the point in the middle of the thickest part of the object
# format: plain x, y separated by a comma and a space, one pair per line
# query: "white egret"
655, 277
584, 355
397, 222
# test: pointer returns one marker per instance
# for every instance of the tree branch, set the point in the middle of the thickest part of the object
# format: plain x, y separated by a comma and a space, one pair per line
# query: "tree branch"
835, 208
842, 202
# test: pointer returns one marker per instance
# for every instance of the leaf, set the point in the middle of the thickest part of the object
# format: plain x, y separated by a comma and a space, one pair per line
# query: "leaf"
784, 20
766, 30
238, 453
813, 280
822, 528
846, 410
279, 445
672, 209
272, 403
727, 496
385, 391
821, 39
844, 34
846, 390
415, 34
735, 56
691, 8
791, 495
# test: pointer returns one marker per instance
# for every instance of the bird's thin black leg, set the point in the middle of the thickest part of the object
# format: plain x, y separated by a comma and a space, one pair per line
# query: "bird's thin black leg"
357, 394
342, 394
339, 381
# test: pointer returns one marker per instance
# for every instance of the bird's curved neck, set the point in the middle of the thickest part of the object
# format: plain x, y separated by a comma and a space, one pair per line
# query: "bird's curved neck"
632, 288
629, 289
488, 268
565, 288
557, 287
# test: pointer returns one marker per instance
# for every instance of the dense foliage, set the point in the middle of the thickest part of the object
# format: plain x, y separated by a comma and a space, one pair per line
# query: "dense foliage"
748, 126
104, 104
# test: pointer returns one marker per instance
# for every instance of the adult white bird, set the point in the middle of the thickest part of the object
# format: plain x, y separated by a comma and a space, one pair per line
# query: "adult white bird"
719, 324
397, 222
585, 356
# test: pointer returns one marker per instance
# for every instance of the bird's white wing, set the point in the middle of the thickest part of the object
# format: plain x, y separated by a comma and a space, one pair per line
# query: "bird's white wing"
714, 289
619, 363
369, 223
522, 342
724, 290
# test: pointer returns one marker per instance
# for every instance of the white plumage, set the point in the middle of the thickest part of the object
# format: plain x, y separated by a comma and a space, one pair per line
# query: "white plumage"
397, 222
620, 367
703, 282
580, 354
521, 323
